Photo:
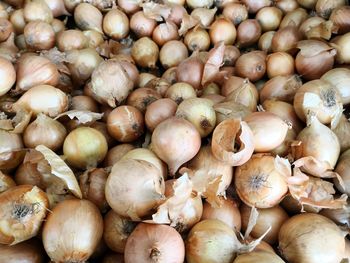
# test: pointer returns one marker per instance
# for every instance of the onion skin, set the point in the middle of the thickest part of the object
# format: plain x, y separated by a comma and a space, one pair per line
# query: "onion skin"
172, 53
248, 33
222, 30
269, 18
190, 71
11, 155
154, 243
116, 24
6, 182
339, 78
159, 111
72, 231
116, 153
30, 251
342, 46
39, 35
92, 22
141, 25
71, 39
145, 52
286, 39
141, 98
235, 12
274, 62
340, 18
251, 65
300, 242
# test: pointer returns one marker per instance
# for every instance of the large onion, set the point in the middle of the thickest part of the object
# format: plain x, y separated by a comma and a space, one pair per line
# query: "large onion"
340, 79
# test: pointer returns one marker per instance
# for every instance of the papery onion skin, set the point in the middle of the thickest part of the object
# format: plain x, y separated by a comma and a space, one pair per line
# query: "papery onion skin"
175, 151
340, 79
295, 17
141, 25
37, 11
190, 71
159, 111
259, 183
39, 35
6, 182
7, 75
6, 29
235, 12
265, 41
165, 32
141, 98
339, 17
72, 231
154, 243
286, 39
300, 242
91, 22
255, 5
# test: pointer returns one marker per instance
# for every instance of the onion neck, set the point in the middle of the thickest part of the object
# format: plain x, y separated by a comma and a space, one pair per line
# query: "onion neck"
155, 254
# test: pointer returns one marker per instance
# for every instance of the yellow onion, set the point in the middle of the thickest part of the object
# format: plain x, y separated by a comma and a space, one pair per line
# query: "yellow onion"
11, 154
165, 32
6, 182
154, 243
261, 182
7, 75
128, 6
190, 71
24, 206
142, 25
255, 5
158, 84
71, 4
339, 78
92, 21
295, 17
142, 97
94, 38
17, 21
224, 30
342, 45
131, 70
8, 48
72, 231
116, 153
230, 110
265, 41
134, 188
204, 15
299, 239
248, 32
228, 213
172, 53
342, 130
6, 29
258, 256
281, 88
320, 97
308, 4
286, 39
83, 103
324, 8
43, 99
170, 144
58, 26
339, 17
116, 24
37, 11
211, 89
231, 54
235, 12
71, 39
57, 7
342, 169
251, 65
39, 35
117, 231
28, 251
269, 18
159, 111
145, 52
269, 130
274, 62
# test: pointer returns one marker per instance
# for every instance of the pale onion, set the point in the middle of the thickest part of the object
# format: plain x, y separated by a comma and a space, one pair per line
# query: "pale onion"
308, 4
342, 131
251, 65
274, 62
7, 75
159, 111
235, 12
57, 7
129, 6
30, 251
142, 97
299, 239
340, 79
24, 206
142, 25
43, 99
8, 48
287, 5
116, 24
340, 18
224, 30
72, 231
39, 35
17, 21
190, 71
324, 8
260, 256
37, 11
172, 53
145, 52
200, 113
342, 45
342, 169
199, 3
172, 146
231, 54
94, 38
134, 188
255, 5
261, 182
6, 29
269, 130
92, 21
338, 216
165, 32
11, 154
85, 147
320, 97
154, 243
269, 18
58, 26
71, 39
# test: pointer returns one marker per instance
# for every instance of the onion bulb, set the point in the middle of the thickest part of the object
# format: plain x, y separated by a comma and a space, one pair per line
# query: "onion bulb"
255, 5
224, 30
265, 41
71, 39
30, 251
172, 53
261, 182
37, 11
340, 79
299, 239
134, 188
251, 65
92, 21
142, 25
324, 8
142, 97
274, 62
342, 169
154, 243
6, 182
128, 6
39, 35
248, 33
180, 91
342, 131
260, 256
57, 7
25, 206
17, 21
295, 17
159, 111
190, 71
286, 39
342, 45
116, 153
269, 18
165, 32
145, 52
339, 17
116, 24
85, 147
235, 12
11, 154
175, 141
7, 75
72, 231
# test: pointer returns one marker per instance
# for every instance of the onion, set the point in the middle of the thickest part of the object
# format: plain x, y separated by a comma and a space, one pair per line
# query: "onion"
299, 239
258, 256
17, 21
235, 12
165, 32
110, 84
125, 123
248, 32
145, 52
6, 182
94, 38
204, 15
43, 99
71, 4
228, 213
215, 98
342, 130
24, 206
71, 39
251, 65
272, 217
172, 53
320, 97
142, 97
190, 71
274, 62
269, 18
37, 11
116, 153
295, 18
158, 84
128, 6
134, 188
339, 17
57, 7
7, 75
10, 150
231, 54
199, 3
58, 26
261, 182
170, 75
92, 184
230, 110
265, 41
6, 28
200, 113
142, 25
342, 46
83, 103
159, 111
116, 231
131, 70
255, 5
286, 39
91, 22
85, 147
211, 89
339, 78
72, 231
287, 5
324, 8
29, 251
170, 144
224, 30
39, 35
154, 243
339, 216
116, 24
308, 4
342, 169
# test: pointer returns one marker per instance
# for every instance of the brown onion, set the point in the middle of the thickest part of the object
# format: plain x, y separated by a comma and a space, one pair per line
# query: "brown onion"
83, 103
6, 29
6, 182
158, 84
91, 22
255, 5
204, 15
58, 26
342, 169
230, 110
71, 39
165, 32
134, 188
30, 251
308, 4
190, 71
269, 18
71, 4
231, 54
197, 39
37, 11
170, 75
340, 79
260, 182
7, 75
39, 35
17, 21
339, 17
159, 111
129, 6
145, 52
57, 7
84, 223
265, 41
295, 18
94, 38
10, 150
224, 30
116, 24
131, 70
287, 5
172, 53
342, 131
116, 153
235, 12
248, 32
274, 62
286, 39
169, 149
142, 97
142, 25
251, 65
324, 8
125, 123
342, 45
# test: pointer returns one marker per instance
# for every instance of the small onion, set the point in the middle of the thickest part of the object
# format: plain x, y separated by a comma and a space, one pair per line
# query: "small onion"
260, 256
287, 5
230, 110
71, 39
57, 7
286, 39
142, 25
340, 217
204, 15
255, 5
58, 26
83, 103
93, 21
94, 38
235, 12
324, 8
251, 65
145, 52
10, 154
224, 30
128, 6
6, 28
85, 147
295, 17
72, 231
190, 71
265, 41
340, 79
231, 54
7, 76
154, 243
172, 53
342, 45
260, 182
159, 111
142, 97
17, 21
116, 24
170, 75
30, 251
340, 18
125, 123
299, 239
199, 3
116, 153
165, 32
274, 62
158, 84
39, 35
248, 32
37, 11
197, 39
308, 4
269, 18
71, 4
170, 145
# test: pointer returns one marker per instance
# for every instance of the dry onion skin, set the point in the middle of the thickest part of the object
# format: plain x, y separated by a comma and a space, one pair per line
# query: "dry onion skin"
84, 223
299, 239
342, 169
30, 251
6, 182
23, 209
